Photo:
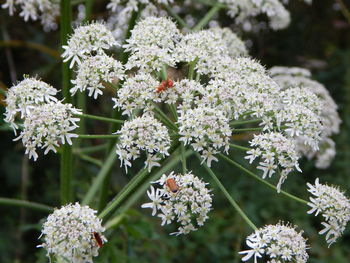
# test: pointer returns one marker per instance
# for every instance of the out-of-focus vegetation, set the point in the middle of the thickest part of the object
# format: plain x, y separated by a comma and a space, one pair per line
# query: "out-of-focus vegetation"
318, 38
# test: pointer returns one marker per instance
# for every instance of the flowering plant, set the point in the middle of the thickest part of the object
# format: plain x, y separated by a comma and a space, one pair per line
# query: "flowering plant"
174, 91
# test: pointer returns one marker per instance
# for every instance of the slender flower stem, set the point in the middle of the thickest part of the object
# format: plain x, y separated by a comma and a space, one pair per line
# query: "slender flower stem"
100, 177
66, 172
183, 158
24, 203
261, 180
192, 65
205, 20
130, 190
176, 16
99, 118
228, 196
239, 147
345, 11
247, 129
234, 123
164, 118
93, 136
90, 159
90, 149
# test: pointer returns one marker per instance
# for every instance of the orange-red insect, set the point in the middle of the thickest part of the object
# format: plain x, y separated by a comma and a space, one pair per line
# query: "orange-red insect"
98, 239
172, 185
164, 85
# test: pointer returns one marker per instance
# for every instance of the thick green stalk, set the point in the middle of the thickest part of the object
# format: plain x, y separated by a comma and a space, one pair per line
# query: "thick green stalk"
26, 204
90, 149
247, 129
66, 156
94, 136
100, 177
88, 9
261, 180
191, 67
183, 158
205, 20
227, 195
99, 118
90, 159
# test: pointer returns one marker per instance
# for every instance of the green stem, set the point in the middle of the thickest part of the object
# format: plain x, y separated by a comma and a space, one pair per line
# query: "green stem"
88, 9
176, 16
247, 129
234, 123
345, 11
99, 118
24, 203
91, 160
239, 147
164, 72
90, 149
92, 136
228, 196
261, 180
141, 188
205, 20
66, 156
183, 159
164, 118
100, 177
131, 186
192, 65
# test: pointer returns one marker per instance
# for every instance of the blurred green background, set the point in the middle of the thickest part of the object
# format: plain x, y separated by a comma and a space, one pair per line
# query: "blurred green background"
318, 38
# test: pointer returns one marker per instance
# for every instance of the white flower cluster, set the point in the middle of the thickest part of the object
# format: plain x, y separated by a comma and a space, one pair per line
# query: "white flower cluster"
143, 134
70, 234
205, 48
333, 205
277, 153
276, 12
47, 126
94, 71
137, 92
242, 87
87, 41
24, 96
207, 130
152, 44
235, 46
181, 198
45, 10
291, 78
279, 243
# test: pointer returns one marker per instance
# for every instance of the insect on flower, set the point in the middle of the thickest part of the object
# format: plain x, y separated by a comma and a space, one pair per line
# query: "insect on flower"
164, 85
98, 239
172, 185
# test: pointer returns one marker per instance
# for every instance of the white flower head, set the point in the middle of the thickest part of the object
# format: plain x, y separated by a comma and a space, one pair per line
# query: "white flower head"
69, 234
44, 10
24, 96
278, 243
273, 9
205, 48
152, 44
235, 46
47, 126
180, 198
277, 154
206, 129
94, 71
86, 41
334, 207
137, 92
143, 134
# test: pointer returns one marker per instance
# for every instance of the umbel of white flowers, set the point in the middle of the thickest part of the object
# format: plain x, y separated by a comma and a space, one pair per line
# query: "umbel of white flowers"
73, 234
334, 207
180, 199
278, 243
